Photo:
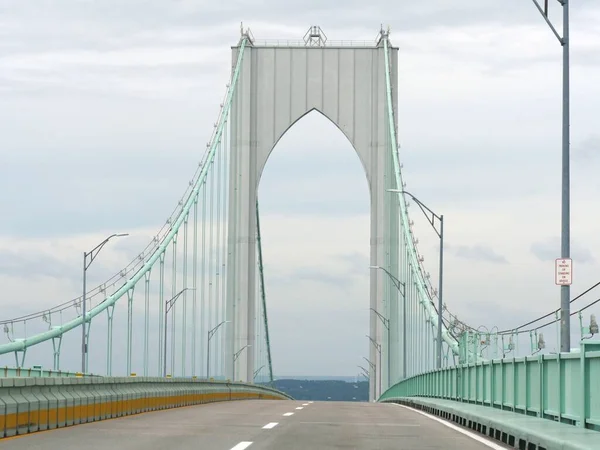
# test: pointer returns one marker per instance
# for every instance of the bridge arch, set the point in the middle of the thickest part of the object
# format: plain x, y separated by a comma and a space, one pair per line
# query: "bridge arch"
312, 112
314, 206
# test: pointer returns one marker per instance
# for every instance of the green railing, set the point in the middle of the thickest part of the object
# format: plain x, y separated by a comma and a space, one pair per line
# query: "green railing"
561, 387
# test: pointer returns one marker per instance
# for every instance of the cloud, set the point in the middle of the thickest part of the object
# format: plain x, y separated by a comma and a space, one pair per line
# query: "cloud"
477, 252
549, 250
107, 108
588, 149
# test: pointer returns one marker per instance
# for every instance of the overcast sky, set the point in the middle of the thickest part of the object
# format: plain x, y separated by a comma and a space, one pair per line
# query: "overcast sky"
106, 107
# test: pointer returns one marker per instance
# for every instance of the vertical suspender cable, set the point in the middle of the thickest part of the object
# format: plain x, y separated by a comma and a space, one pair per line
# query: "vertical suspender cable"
146, 322
218, 260
194, 286
184, 297
211, 247
161, 305
263, 295
224, 243
173, 308
203, 316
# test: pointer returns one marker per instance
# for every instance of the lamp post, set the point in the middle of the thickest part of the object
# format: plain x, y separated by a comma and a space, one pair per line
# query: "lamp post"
431, 217
168, 305
365, 372
386, 324
210, 335
91, 255
377, 346
374, 369
402, 288
257, 371
237, 354
565, 235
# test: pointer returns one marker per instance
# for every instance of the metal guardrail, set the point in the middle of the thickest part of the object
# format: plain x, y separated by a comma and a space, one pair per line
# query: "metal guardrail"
561, 387
29, 404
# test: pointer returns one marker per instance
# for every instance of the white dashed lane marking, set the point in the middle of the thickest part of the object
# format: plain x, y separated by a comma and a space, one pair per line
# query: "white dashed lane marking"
270, 425
242, 445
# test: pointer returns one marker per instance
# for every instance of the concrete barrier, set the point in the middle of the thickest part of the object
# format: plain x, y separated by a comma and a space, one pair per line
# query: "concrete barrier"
30, 404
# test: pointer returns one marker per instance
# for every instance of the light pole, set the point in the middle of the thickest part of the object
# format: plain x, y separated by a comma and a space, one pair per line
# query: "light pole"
565, 235
365, 372
210, 335
92, 255
374, 369
386, 324
402, 288
236, 355
431, 217
257, 371
168, 305
378, 348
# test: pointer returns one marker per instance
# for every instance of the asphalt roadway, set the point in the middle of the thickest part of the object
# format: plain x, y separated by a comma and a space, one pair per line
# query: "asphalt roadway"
259, 425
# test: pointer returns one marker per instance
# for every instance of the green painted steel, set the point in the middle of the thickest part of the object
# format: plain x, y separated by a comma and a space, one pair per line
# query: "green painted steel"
263, 294
424, 299
562, 387
20, 345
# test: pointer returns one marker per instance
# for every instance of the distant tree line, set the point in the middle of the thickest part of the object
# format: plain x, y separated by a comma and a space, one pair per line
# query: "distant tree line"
325, 390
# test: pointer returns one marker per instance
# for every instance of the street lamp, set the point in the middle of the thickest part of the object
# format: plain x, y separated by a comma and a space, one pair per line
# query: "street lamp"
399, 284
377, 346
210, 335
257, 371
565, 235
237, 355
395, 280
92, 255
168, 305
374, 369
386, 324
431, 217
365, 372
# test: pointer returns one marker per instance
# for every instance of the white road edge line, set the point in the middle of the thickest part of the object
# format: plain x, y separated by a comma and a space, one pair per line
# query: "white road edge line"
288, 414
242, 445
474, 436
270, 425
300, 407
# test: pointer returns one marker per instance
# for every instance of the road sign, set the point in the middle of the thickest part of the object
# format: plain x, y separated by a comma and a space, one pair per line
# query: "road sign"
563, 271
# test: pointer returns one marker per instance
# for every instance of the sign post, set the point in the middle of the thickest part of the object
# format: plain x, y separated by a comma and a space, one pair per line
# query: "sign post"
563, 271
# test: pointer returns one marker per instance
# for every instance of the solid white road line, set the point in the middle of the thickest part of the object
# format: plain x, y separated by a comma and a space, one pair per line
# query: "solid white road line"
270, 425
300, 407
288, 414
474, 436
242, 445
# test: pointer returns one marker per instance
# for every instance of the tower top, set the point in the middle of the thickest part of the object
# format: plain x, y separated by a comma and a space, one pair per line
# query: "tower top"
315, 37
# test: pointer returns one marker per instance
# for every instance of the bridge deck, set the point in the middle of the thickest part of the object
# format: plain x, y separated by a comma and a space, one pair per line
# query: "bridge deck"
232, 425
542, 433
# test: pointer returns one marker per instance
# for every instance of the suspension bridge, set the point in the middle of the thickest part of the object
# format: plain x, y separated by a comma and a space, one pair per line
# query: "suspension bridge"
195, 299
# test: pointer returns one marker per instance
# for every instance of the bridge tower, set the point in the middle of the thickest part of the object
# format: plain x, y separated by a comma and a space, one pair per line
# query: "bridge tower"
278, 85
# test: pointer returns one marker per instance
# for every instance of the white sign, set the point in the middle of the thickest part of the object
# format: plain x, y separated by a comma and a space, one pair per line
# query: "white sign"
563, 271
